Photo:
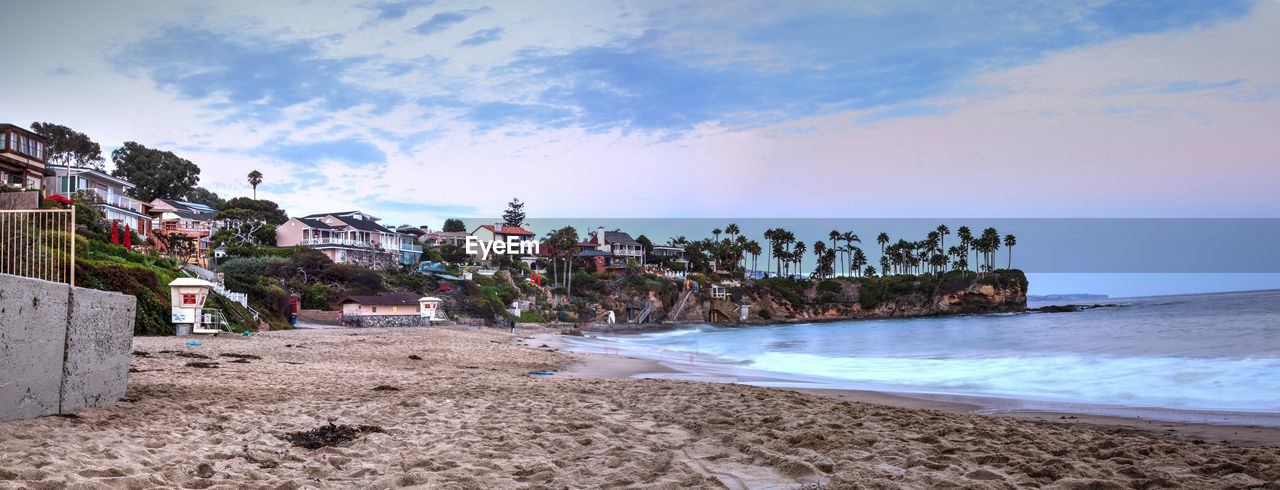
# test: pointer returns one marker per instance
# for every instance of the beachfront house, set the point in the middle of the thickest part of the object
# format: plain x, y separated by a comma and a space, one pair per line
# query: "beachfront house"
351, 237
615, 242
186, 228
663, 252
386, 310
22, 158
108, 195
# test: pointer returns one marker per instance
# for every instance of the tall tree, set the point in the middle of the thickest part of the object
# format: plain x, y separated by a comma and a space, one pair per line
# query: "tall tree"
966, 242
882, 239
753, 247
155, 173
943, 231
255, 178
200, 195
66, 146
514, 215
454, 225
799, 257
1010, 241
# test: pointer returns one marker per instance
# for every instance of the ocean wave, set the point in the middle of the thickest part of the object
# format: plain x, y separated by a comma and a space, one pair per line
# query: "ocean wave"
1244, 384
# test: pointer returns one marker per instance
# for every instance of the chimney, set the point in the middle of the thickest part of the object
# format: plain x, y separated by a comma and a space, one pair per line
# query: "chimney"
600, 236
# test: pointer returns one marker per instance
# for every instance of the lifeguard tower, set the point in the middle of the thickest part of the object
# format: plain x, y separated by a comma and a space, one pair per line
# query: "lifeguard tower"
187, 295
428, 306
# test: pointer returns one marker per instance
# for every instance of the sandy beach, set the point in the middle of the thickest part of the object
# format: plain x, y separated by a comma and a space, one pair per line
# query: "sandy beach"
466, 413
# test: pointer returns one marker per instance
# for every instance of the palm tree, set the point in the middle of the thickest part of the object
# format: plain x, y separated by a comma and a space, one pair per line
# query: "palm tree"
835, 237
1010, 241
943, 231
884, 265
871, 271
858, 260
990, 243
753, 247
799, 257
882, 239
849, 238
255, 178
819, 249
966, 241
717, 233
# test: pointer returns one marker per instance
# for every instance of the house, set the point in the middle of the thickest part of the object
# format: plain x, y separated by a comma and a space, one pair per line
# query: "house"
438, 238
617, 243
601, 261
108, 194
501, 233
668, 251
351, 237
22, 158
187, 220
419, 232
387, 309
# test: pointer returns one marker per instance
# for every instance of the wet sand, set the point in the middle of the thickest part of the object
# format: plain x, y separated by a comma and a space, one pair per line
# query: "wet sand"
613, 366
468, 414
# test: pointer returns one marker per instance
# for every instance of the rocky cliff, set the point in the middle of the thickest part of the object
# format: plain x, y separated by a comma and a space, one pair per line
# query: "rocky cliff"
779, 300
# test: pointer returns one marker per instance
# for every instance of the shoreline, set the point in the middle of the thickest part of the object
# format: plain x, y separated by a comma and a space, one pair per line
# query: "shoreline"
465, 409
1175, 424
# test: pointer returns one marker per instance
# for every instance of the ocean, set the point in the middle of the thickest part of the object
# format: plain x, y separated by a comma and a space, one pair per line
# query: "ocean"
1205, 352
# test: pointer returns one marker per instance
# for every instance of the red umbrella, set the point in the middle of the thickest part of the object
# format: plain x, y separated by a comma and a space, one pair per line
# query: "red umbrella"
445, 287
115, 237
127, 243
58, 198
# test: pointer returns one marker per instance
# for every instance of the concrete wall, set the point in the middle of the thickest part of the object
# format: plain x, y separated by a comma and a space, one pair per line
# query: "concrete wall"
61, 348
19, 200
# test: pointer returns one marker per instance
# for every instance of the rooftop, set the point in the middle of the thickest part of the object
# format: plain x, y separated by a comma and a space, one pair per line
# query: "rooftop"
391, 299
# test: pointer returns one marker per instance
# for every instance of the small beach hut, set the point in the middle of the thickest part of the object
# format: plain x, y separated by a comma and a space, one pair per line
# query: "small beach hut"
428, 306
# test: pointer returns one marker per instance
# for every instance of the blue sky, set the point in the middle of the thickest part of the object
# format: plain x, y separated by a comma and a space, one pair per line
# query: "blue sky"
417, 111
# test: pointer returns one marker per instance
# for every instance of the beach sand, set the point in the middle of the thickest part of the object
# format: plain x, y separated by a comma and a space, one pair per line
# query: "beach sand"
468, 415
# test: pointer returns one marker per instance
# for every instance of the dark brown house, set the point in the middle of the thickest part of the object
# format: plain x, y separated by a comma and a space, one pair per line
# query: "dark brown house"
22, 158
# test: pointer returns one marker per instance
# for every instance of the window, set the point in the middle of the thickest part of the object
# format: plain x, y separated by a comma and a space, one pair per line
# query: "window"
375, 309
4, 141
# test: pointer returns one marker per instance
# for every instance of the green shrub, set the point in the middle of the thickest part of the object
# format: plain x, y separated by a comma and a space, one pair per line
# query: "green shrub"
531, 317
249, 266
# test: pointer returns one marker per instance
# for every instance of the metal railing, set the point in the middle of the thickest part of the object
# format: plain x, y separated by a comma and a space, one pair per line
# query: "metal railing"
339, 242
118, 200
39, 243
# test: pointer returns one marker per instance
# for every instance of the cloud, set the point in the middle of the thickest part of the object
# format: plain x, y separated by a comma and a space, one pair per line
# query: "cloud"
492, 114
443, 20
785, 65
1193, 86
483, 36
397, 9
350, 151
250, 79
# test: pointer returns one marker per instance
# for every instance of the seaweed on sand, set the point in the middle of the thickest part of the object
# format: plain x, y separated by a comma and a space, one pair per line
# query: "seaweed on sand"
329, 435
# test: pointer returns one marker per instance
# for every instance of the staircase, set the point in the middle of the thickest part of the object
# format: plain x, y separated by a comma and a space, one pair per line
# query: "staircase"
644, 313
241, 298
676, 316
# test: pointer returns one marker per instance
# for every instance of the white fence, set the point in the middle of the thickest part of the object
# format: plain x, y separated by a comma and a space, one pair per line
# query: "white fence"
39, 244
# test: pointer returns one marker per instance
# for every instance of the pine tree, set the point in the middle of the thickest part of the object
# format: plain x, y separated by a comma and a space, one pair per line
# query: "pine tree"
514, 216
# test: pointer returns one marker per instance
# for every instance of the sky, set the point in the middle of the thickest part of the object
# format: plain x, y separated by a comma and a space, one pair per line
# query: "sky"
422, 110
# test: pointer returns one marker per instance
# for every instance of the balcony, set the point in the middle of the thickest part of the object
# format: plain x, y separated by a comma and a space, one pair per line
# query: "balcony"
118, 200
185, 227
338, 242
410, 247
